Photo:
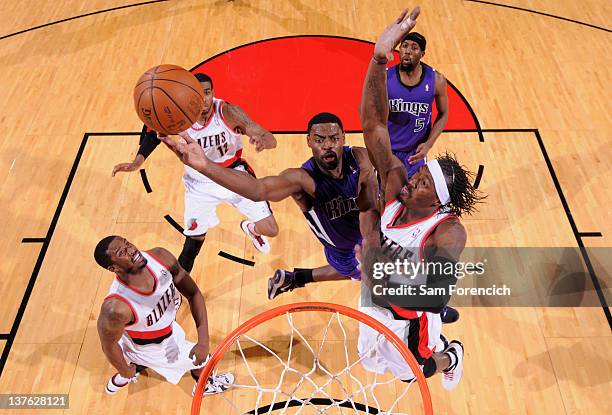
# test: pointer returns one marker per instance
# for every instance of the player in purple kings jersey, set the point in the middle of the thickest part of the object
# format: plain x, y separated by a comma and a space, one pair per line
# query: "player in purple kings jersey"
412, 87
336, 190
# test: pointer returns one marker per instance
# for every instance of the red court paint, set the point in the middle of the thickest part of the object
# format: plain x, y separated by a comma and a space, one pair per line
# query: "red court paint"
283, 82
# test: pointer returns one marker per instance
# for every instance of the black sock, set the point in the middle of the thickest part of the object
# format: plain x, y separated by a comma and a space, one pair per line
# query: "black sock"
303, 276
191, 249
196, 378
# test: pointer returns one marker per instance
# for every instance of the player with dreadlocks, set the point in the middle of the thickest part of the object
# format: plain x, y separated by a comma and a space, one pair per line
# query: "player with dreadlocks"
420, 223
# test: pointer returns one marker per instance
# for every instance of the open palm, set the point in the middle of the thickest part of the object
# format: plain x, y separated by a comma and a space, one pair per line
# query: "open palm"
394, 33
188, 151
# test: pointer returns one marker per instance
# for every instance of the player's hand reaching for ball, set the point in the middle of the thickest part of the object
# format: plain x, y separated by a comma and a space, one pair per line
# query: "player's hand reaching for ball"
199, 354
393, 34
188, 151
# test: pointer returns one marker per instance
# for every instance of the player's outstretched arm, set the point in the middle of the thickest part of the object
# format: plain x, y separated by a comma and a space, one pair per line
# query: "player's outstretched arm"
189, 289
271, 188
241, 123
374, 108
115, 315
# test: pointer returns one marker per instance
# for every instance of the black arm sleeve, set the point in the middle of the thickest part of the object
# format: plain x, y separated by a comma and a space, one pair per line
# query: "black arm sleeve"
148, 143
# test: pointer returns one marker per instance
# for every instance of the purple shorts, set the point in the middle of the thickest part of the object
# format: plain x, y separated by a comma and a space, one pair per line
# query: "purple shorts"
344, 262
404, 156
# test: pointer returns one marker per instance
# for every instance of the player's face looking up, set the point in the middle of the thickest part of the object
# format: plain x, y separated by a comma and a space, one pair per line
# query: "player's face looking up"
420, 191
208, 97
410, 55
326, 141
125, 256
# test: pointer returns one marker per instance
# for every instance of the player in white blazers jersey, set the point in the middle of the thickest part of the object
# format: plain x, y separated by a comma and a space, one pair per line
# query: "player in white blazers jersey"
218, 130
137, 326
420, 222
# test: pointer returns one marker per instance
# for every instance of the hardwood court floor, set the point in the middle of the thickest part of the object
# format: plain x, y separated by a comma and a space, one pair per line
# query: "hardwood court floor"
518, 70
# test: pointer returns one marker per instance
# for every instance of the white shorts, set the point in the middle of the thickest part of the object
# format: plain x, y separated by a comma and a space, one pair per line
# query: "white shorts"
170, 358
380, 356
202, 199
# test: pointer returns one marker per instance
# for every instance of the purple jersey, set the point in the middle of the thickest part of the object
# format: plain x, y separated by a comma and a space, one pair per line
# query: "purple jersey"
334, 215
410, 108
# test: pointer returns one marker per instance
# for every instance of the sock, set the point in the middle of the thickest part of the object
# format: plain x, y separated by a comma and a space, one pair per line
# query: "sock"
120, 380
251, 227
303, 276
190, 251
453, 360
194, 376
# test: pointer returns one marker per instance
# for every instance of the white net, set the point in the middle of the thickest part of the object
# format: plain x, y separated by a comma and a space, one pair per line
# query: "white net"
308, 363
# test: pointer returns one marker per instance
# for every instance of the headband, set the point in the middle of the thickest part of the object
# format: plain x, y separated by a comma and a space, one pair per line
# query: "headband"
439, 181
418, 38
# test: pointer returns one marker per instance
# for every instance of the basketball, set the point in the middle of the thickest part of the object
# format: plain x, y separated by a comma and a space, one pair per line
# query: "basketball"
168, 99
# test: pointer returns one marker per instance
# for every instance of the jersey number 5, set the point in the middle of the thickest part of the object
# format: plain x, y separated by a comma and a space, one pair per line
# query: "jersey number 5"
419, 124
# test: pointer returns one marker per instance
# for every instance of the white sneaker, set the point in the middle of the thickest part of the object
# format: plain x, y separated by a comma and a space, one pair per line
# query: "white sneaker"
216, 384
259, 241
451, 379
113, 385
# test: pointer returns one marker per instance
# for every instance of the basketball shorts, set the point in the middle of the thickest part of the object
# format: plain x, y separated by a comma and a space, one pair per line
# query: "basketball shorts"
170, 358
410, 168
203, 197
344, 262
421, 335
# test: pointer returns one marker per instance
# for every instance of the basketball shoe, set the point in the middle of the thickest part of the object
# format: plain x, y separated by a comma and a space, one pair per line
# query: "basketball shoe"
449, 315
216, 384
260, 242
452, 375
281, 282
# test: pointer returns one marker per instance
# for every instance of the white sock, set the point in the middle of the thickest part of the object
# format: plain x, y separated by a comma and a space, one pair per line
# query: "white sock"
121, 380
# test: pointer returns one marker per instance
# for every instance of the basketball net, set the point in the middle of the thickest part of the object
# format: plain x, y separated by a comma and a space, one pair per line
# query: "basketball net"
316, 369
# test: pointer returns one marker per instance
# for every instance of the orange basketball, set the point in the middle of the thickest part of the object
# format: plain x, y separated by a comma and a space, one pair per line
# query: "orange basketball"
168, 99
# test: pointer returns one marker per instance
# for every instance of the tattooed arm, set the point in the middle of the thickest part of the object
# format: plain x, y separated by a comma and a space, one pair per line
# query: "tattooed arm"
240, 122
374, 108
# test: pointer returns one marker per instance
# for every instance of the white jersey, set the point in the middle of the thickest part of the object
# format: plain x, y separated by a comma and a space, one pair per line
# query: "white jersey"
407, 241
411, 236
154, 312
220, 143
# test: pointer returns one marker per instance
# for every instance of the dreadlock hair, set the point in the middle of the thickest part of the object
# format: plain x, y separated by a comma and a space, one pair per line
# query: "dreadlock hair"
463, 195
101, 252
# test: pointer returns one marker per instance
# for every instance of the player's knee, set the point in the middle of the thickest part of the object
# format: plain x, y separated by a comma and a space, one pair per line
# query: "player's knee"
273, 231
429, 367
267, 227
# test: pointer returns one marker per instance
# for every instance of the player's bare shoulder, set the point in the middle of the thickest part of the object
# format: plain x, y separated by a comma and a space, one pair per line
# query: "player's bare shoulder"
440, 83
300, 178
166, 258
114, 312
450, 233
